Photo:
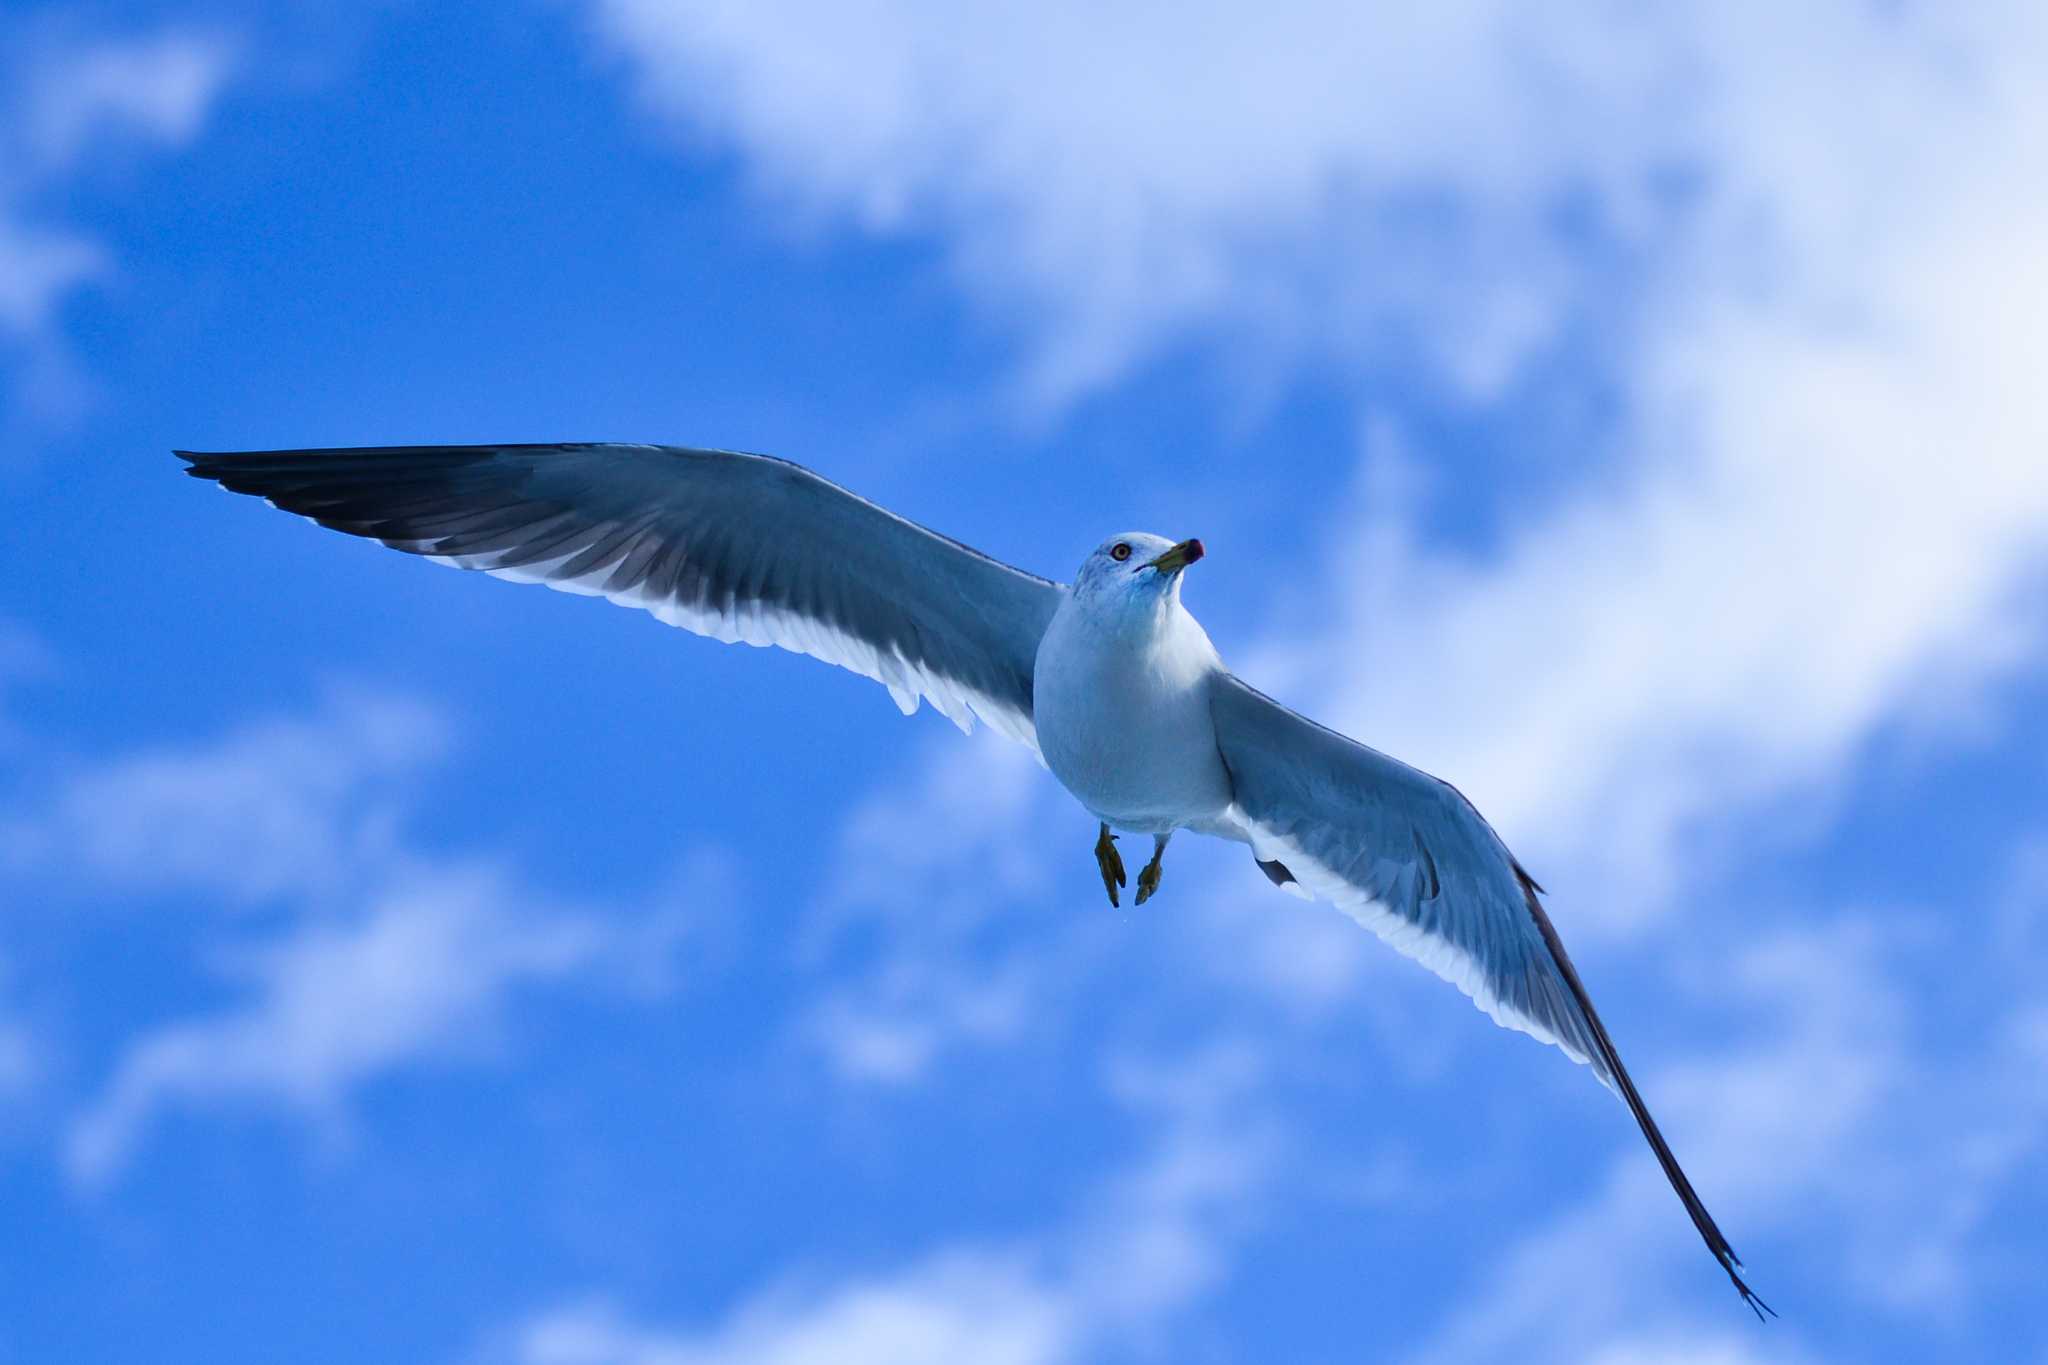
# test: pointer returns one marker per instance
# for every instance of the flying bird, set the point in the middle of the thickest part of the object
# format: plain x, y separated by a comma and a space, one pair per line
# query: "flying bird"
1110, 680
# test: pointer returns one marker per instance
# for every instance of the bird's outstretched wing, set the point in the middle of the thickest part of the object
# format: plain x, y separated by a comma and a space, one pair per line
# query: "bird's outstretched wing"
737, 547
1407, 856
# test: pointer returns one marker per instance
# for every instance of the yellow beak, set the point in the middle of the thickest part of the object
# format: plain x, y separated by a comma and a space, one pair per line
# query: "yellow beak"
1179, 557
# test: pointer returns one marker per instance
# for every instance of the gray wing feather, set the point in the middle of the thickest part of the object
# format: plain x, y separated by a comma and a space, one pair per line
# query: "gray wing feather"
1408, 856
738, 547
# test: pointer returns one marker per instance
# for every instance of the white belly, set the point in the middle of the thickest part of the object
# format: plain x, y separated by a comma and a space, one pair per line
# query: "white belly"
1124, 723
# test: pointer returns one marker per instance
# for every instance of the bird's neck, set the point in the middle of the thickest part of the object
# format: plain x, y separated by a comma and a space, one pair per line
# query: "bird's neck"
1152, 630
1135, 618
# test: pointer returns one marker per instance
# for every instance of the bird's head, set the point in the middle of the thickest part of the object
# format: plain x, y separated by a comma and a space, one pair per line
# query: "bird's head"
1135, 569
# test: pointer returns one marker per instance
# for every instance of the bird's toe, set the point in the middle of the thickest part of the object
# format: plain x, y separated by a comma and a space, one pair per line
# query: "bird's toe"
1148, 882
1111, 863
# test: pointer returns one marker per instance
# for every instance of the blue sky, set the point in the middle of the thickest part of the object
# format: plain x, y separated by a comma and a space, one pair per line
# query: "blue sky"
1634, 420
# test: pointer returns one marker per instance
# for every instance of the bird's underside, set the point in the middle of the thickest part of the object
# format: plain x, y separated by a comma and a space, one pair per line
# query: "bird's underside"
757, 550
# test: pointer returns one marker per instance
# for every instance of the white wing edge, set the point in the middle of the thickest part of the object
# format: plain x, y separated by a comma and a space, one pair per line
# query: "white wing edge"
761, 625
1447, 960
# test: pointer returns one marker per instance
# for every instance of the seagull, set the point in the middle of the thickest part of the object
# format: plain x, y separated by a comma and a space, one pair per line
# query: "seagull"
1110, 680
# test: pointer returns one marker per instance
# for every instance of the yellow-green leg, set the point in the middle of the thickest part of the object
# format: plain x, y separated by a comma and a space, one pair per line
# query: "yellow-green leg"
1148, 879
1112, 865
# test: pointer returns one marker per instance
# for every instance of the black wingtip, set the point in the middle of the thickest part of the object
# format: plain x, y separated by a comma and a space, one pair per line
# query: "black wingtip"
199, 464
1610, 1059
1732, 1264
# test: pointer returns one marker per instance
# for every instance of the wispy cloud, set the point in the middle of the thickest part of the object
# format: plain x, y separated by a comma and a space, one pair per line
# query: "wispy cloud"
1827, 515
70, 100
286, 805
1322, 176
155, 89
960, 1308
423, 973
1688, 1344
23, 1051
914, 932
1111, 182
962, 914
938, 938
375, 954
1836, 1135
1138, 1250
1810, 291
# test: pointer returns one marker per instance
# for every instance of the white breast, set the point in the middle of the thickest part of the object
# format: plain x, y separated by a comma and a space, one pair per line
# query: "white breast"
1122, 711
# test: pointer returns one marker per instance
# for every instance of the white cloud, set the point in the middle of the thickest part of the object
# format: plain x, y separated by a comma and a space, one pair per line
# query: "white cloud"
1834, 525
962, 913
1831, 1128
1689, 1344
960, 1309
71, 96
1141, 1248
424, 972
1833, 1138
1799, 252
962, 921
1812, 283
1831, 512
1461, 175
281, 806
23, 1051
380, 954
916, 927
39, 266
156, 89
1112, 178
66, 102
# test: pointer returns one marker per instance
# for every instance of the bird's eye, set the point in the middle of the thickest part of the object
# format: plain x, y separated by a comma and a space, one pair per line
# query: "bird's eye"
1119, 552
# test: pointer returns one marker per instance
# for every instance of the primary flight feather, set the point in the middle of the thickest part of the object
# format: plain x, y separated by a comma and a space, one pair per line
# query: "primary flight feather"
1110, 680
